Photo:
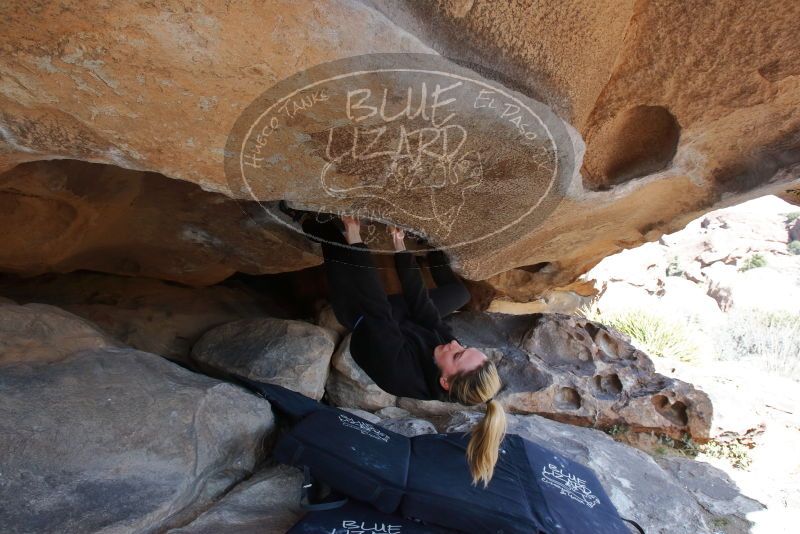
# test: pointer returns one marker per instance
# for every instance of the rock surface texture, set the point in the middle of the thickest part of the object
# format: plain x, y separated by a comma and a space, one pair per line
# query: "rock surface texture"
266, 503
149, 94
146, 314
564, 368
292, 354
116, 440
42, 333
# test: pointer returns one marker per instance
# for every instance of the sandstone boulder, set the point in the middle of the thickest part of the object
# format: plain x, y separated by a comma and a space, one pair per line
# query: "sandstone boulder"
574, 370
292, 354
80, 215
266, 503
117, 440
143, 313
348, 385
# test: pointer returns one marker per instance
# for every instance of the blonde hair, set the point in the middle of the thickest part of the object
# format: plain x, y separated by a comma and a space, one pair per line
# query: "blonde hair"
477, 387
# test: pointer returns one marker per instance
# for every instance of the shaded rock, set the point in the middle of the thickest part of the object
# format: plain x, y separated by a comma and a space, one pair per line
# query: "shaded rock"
118, 440
293, 354
637, 486
392, 412
266, 503
326, 319
80, 215
42, 333
408, 426
714, 491
143, 313
348, 385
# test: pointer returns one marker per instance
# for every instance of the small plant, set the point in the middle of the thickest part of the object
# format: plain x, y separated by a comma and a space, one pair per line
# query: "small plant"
674, 268
617, 430
666, 441
733, 450
753, 262
720, 522
792, 216
688, 446
794, 247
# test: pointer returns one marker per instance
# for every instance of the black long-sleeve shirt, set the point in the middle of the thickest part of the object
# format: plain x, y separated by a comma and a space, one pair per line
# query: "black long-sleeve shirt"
395, 347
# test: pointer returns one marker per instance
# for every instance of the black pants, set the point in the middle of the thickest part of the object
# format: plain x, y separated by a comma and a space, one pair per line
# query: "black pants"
344, 263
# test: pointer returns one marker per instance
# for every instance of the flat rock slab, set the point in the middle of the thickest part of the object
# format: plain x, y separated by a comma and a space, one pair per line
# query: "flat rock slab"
116, 440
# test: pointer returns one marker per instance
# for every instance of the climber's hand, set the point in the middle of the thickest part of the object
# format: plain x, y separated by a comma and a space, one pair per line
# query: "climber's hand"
398, 238
352, 229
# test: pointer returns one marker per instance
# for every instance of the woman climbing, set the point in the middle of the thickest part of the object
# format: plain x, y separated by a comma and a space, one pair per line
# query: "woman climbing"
401, 342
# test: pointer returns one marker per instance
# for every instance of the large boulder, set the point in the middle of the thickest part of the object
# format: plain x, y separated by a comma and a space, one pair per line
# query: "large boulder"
143, 313
574, 370
349, 386
118, 440
292, 354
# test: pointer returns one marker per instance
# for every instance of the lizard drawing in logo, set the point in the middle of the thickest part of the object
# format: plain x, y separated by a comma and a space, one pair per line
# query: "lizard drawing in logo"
422, 175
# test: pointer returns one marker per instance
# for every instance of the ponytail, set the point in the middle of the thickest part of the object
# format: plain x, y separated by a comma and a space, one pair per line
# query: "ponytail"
477, 387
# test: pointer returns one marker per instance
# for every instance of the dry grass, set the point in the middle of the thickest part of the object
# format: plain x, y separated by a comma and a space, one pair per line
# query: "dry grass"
768, 339
652, 333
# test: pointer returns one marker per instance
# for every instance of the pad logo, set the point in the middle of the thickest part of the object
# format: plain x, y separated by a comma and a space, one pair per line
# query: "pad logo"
365, 428
569, 485
356, 527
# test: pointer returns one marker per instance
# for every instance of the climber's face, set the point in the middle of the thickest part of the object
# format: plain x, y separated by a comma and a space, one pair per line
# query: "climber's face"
453, 358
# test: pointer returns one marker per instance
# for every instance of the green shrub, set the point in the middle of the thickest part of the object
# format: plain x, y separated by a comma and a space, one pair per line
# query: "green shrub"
791, 217
649, 332
794, 247
753, 262
674, 268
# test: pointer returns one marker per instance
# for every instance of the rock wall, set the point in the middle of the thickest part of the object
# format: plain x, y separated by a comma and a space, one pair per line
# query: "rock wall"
682, 108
